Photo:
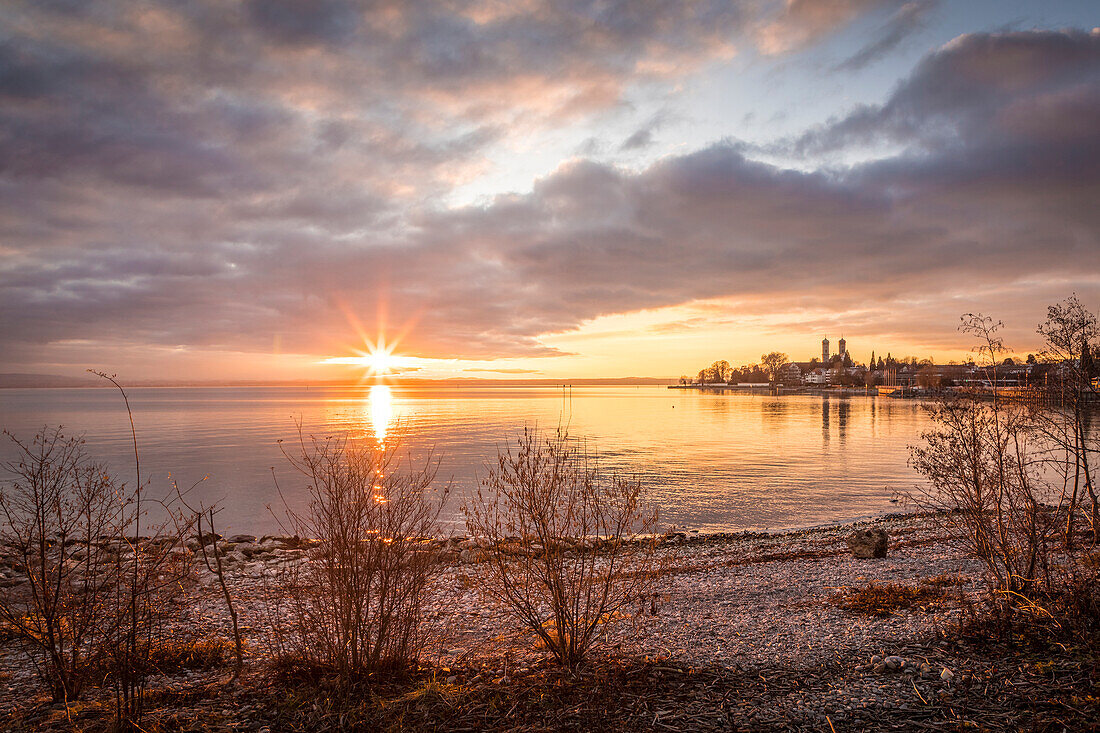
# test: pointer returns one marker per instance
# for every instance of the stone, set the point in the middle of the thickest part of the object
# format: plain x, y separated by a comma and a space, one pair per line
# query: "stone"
241, 538
868, 543
470, 555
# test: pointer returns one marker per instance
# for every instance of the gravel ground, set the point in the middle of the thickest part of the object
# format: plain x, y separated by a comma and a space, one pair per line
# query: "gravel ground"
757, 599
757, 605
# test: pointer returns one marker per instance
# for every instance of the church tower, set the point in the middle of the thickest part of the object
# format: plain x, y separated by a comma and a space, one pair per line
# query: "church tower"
843, 346
825, 350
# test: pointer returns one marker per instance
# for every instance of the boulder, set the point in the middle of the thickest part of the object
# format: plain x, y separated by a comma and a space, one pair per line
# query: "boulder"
242, 538
471, 555
867, 543
209, 538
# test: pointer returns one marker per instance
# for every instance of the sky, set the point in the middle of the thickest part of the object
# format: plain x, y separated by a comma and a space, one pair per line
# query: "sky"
268, 189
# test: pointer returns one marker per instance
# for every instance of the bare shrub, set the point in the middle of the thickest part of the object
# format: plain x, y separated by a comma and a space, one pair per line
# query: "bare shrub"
58, 508
102, 581
213, 560
96, 597
565, 546
152, 572
355, 605
979, 462
985, 460
1064, 417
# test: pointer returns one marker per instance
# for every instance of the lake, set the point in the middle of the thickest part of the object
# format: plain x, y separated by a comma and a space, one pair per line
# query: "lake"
714, 462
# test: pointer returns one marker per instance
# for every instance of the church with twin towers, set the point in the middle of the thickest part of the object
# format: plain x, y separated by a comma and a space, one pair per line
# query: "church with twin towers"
842, 349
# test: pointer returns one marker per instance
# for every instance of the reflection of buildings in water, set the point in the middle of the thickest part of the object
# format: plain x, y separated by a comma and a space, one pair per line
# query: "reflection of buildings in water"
842, 409
843, 413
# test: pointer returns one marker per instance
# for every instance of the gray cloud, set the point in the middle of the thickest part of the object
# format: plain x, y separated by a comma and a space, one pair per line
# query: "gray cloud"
639, 139
982, 91
905, 21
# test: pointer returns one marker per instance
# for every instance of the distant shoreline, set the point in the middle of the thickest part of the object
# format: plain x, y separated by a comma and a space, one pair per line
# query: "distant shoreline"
59, 382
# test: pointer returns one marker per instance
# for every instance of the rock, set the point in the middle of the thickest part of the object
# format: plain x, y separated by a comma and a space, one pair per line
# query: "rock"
241, 538
470, 555
867, 543
947, 675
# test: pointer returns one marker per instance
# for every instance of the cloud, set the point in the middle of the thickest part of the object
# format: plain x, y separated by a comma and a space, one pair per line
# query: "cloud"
984, 91
804, 22
248, 197
640, 139
504, 371
905, 21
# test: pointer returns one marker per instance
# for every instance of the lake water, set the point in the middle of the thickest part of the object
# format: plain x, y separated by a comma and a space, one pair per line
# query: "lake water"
711, 461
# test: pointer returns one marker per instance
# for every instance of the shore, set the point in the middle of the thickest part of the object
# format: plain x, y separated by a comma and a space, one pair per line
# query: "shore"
759, 612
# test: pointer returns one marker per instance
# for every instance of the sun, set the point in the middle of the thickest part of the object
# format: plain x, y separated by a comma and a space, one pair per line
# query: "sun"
380, 360
377, 359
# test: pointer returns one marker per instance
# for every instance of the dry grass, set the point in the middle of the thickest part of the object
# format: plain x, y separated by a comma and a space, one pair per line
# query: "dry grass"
1048, 693
662, 695
171, 656
1091, 561
886, 599
602, 695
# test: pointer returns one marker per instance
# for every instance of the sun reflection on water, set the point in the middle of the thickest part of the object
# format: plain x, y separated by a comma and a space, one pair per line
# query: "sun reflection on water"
381, 410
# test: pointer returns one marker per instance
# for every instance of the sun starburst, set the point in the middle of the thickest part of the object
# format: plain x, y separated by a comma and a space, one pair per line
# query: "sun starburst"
379, 358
